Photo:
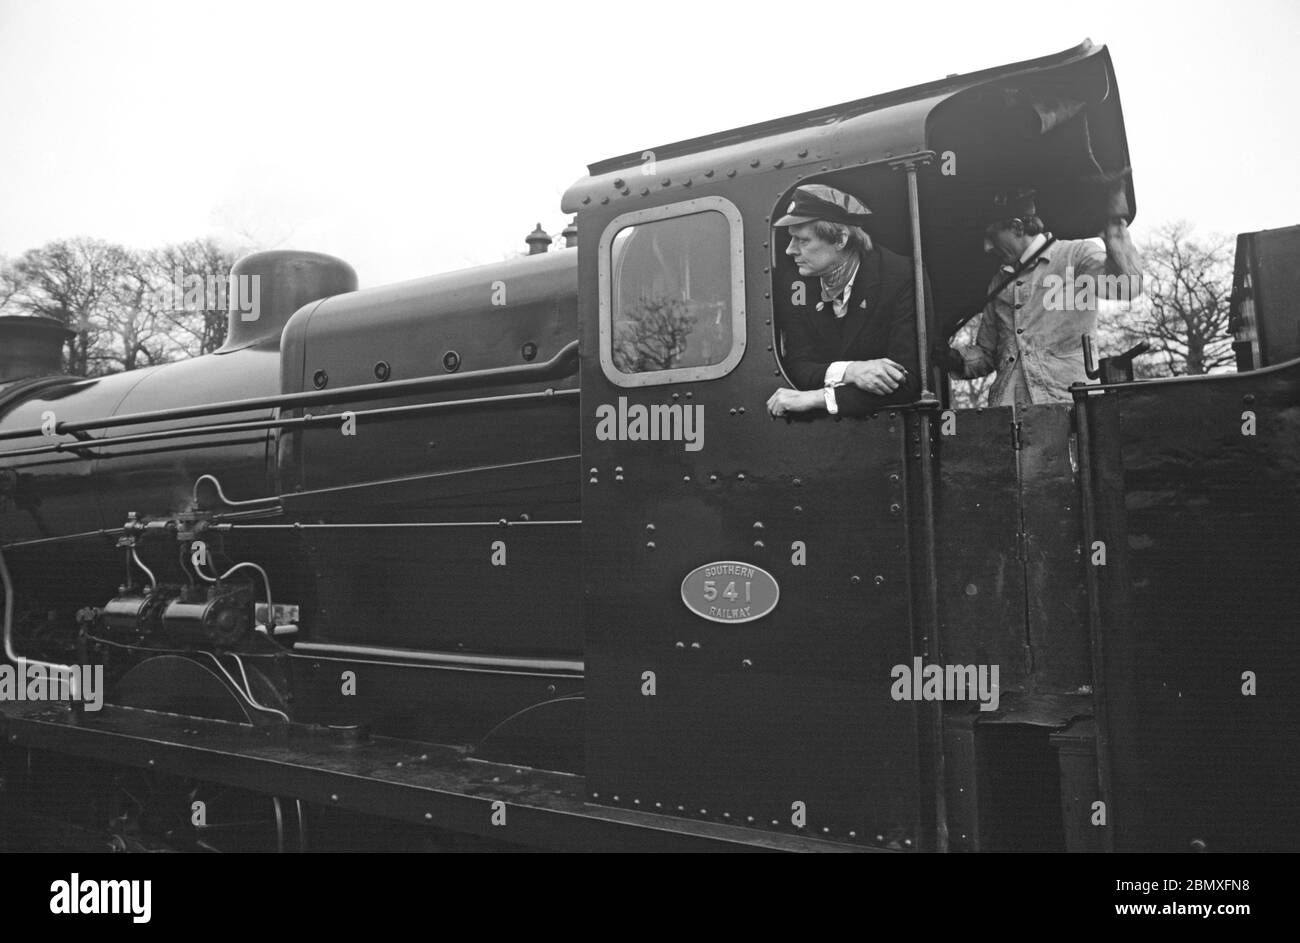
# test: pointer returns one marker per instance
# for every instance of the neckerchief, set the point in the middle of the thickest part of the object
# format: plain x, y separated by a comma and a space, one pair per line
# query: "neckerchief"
834, 282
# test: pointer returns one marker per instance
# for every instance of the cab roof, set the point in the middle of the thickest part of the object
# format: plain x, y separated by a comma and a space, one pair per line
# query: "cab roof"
888, 126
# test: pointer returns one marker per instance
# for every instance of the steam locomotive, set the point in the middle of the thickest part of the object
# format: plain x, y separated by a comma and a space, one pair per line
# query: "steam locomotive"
514, 556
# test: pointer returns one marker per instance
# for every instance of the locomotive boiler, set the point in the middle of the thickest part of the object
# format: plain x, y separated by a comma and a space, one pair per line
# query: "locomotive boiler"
514, 556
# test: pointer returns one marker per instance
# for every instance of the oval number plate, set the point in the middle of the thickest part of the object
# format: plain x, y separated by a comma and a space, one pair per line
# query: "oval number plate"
730, 591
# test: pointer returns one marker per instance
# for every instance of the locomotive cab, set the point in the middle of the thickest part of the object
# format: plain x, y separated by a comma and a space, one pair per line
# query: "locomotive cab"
713, 707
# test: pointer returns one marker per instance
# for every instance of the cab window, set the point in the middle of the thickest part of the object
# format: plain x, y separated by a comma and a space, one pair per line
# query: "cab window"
672, 293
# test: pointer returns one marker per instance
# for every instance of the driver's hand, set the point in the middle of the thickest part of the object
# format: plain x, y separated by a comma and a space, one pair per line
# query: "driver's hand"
786, 400
875, 376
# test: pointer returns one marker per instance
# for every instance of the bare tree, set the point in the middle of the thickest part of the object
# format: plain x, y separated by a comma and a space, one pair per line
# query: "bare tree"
1183, 312
75, 281
8, 282
656, 336
197, 329
136, 329
129, 309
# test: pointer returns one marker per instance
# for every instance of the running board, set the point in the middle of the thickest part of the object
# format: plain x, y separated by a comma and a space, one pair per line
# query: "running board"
405, 780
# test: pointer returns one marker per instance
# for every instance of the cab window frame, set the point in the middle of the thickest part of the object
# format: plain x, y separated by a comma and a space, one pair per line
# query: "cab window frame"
605, 274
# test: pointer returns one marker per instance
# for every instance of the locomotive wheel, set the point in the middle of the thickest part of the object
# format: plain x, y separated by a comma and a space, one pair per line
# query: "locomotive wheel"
148, 812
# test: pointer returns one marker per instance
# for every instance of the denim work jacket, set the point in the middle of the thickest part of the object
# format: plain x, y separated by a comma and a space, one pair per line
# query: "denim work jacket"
1034, 327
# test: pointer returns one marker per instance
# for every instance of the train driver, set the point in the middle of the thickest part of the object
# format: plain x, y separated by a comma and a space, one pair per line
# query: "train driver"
849, 326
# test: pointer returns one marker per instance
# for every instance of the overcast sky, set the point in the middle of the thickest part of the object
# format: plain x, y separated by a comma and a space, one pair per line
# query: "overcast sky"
415, 138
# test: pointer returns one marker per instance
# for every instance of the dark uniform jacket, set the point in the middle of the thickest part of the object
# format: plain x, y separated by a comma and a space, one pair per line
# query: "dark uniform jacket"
880, 322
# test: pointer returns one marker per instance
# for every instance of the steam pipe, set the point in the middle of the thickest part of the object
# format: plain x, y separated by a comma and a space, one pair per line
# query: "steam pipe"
10, 653
228, 502
153, 581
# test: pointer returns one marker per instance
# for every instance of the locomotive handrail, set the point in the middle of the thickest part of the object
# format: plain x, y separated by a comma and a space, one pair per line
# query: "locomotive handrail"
931, 635
501, 663
81, 446
387, 525
564, 363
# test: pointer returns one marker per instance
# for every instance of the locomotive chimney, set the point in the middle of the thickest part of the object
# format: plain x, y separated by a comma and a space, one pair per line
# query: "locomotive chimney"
538, 241
570, 235
266, 288
31, 346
